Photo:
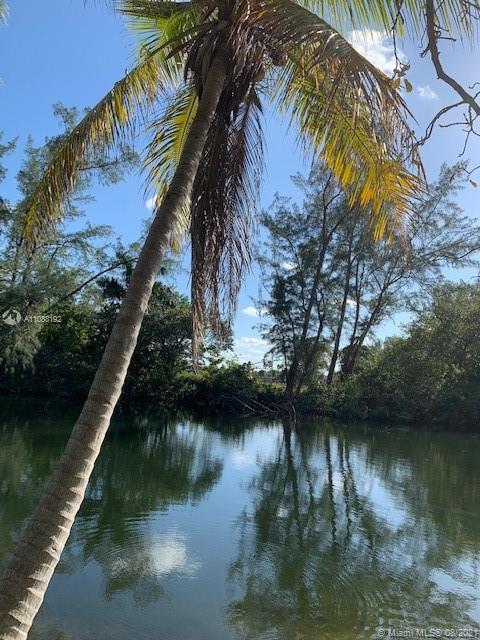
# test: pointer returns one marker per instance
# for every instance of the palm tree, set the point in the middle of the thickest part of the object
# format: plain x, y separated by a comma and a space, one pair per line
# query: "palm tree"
210, 65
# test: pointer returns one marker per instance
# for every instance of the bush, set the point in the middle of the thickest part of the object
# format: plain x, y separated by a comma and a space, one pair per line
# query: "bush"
220, 388
429, 377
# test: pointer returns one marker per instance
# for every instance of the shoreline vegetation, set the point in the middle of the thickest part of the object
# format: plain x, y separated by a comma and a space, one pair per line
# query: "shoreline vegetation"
268, 402
428, 378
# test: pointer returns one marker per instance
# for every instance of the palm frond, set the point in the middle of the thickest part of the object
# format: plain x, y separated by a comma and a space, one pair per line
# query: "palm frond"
224, 200
316, 48
459, 17
152, 9
345, 109
367, 153
163, 28
355, 14
107, 123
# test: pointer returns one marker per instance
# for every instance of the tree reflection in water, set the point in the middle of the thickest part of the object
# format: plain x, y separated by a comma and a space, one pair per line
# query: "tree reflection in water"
170, 466
345, 535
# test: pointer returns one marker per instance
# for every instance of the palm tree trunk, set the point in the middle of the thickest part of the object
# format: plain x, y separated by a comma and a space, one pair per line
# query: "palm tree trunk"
23, 586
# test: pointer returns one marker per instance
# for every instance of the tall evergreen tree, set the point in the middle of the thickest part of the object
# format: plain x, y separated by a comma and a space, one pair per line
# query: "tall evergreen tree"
32, 279
330, 284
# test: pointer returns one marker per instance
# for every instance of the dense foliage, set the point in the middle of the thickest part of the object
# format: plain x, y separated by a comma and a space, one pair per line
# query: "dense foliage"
68, 290
431, 375
329, 286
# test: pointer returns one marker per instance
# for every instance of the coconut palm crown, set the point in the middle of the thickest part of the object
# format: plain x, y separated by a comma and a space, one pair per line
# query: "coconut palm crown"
280, 52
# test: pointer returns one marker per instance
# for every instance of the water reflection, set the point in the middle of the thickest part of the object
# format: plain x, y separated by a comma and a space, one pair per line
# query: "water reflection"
350, 532
141, 568
227, 530
140, 476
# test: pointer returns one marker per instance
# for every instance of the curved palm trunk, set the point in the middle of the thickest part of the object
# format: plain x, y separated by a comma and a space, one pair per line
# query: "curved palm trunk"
26, 579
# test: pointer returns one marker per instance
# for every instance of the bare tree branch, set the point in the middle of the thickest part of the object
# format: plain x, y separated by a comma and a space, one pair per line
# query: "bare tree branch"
434, 33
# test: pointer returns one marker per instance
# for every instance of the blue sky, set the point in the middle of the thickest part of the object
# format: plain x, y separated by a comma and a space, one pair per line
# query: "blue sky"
62, 50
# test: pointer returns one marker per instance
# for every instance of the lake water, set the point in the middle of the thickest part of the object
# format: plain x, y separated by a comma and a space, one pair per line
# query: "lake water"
230, 530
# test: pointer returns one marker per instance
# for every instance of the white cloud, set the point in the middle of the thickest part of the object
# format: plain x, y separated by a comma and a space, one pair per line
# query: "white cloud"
376, 46
242, 458
256, 342
427, 93
155, 555
151, 202
351, 302
288, 266
253, 312
169, 554
250, 349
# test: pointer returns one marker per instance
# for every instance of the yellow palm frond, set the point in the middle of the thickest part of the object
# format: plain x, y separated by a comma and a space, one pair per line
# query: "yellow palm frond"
345, 109
315, 48
365, 157
107, 123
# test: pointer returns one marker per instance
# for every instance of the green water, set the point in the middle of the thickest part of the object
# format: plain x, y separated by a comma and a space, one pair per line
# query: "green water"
230, 530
